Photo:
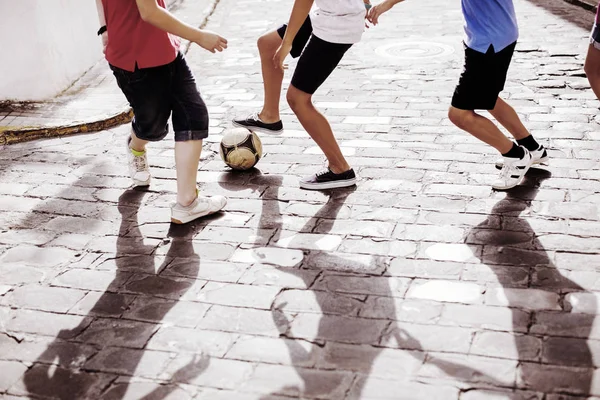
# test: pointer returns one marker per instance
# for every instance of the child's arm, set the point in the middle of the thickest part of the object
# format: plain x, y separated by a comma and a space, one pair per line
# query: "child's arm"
162, 19
376, 11
299, 13
102, 20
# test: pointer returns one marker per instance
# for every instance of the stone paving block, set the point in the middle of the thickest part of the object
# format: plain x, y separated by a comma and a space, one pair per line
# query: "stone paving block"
271, 256
43, 298
147, 390
566, 324
529, 299
446, 291
280, 351
377, 246
555, 379
345, 262
170, 312
117, 360
298, 382
11, 373
373, 361
367, 285
318, 302
118, 332
387, 389
47, 324
469, 370
337, 328
266, 275
260, 297
209, 371
579, 302
507, 345
102, 304
425, 269
16, 274
63, 383
26, 236
244, 321
185, 340
411, 336
31, 256
84, 279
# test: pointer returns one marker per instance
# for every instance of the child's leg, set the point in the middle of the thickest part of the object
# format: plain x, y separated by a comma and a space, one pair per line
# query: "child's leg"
480, 127
317, 127
592, 68
317, 62
190, 123
507, 116
136, 143
268, 119
187, 158
272, 77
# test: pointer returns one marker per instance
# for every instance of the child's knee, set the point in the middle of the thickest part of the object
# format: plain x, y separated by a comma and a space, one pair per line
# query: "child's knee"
296, 98
460, 118
269, 42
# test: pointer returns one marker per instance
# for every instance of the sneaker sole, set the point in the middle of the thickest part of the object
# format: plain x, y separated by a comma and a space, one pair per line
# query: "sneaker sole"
190, 218
258, 129
141, 183
328, 185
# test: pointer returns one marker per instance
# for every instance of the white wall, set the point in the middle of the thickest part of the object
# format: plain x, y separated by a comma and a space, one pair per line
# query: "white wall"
45, 45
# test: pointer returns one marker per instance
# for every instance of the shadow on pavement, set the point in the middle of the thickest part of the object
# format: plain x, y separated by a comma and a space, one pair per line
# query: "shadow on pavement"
551, 344
357, 317
104, 342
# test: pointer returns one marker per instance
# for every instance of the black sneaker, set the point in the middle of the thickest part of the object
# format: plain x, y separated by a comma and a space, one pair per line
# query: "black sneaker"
328, 180
254, 123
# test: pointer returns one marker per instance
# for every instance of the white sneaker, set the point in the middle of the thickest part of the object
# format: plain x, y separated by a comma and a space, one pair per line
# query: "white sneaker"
201, 207
540, 156
138, 167
513, 170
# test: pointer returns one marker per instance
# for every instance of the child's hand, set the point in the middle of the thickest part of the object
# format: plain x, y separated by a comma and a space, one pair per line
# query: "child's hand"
211, 41
375, 12
282, 52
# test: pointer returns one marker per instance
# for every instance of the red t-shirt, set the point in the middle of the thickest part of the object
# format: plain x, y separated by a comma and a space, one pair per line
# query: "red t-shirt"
132, 41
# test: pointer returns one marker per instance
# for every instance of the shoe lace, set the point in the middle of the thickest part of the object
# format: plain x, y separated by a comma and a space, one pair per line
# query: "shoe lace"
140, 163
507, 171
322, 172
254, 116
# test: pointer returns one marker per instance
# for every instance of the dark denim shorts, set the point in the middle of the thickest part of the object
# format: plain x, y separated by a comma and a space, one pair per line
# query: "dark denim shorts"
154, 93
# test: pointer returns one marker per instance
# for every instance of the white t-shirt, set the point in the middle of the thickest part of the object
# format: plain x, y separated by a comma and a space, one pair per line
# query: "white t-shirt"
339, 21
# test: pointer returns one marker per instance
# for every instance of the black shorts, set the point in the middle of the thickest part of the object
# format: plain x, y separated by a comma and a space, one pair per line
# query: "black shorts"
483, 78
318, 58
154, 93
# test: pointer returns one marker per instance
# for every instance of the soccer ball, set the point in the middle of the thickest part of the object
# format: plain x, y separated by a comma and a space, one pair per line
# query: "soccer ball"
240, 148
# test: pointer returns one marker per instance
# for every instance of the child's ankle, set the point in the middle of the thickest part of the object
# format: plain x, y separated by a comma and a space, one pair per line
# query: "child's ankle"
268, 117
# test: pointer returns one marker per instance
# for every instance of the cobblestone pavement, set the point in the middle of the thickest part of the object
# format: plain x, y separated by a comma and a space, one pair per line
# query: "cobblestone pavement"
421, 283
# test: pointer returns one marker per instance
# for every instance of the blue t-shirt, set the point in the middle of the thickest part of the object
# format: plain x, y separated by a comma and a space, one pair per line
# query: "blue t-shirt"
490, 22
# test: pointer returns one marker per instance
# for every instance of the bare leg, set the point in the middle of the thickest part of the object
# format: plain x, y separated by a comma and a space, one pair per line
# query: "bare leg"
480, 127
317, 127
272, 77
187, 157
592, 69
137, 144
507, 116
